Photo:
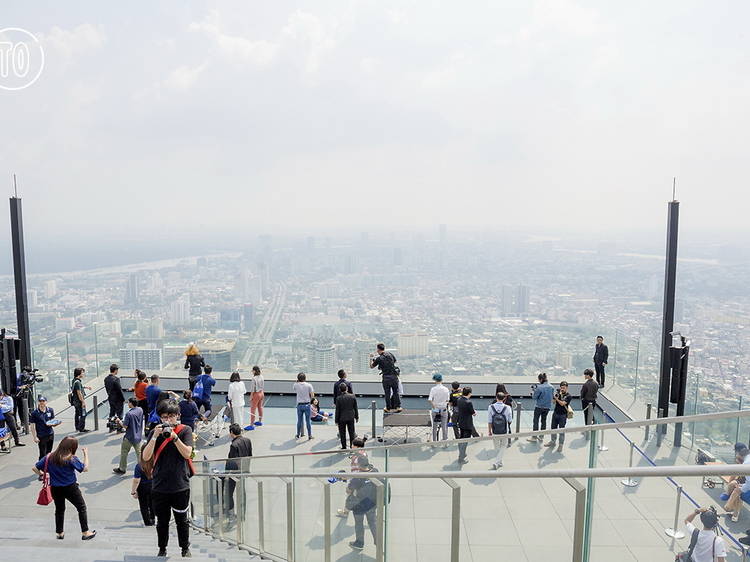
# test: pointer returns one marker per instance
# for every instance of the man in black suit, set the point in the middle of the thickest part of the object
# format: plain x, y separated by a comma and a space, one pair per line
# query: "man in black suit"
238, 448
115, 395
601, 354
346, 414
466, 415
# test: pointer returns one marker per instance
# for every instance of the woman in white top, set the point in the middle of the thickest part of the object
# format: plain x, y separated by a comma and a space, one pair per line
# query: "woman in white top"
256, 397
236, 397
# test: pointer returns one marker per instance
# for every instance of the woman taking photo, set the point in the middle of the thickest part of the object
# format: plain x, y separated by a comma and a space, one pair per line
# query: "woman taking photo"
61, 465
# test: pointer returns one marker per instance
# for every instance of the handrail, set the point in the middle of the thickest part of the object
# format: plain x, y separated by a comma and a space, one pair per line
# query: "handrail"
731, 414
641, 471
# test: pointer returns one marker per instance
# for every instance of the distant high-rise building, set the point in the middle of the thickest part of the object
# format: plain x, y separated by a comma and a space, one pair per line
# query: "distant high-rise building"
250, 287
230, 319
132, 290
506, 301
413, 345
179, 312
564, 360
65, 324
248, 318
361, 356
148, 358
522, 300
218, 353
321, 358
50, 289
33, 297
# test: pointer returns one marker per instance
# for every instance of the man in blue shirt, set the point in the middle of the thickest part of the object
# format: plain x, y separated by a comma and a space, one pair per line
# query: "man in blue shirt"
133, 424
208, 383
6, 411
43, 434
542, 405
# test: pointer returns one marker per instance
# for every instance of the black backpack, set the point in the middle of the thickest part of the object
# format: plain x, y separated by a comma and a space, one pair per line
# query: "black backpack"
499, 420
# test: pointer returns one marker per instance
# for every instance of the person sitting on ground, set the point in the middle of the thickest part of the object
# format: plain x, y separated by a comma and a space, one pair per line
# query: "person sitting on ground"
189, 411
738, 491
705, 544
315, 414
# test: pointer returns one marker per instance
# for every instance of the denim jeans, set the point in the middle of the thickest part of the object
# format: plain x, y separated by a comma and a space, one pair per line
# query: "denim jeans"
540, 414
303, 410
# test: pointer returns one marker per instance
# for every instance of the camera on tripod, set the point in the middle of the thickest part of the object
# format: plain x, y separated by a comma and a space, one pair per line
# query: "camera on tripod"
29, 376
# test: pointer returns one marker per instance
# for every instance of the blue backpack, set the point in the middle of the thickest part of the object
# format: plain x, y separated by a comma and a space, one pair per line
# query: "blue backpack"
198, 389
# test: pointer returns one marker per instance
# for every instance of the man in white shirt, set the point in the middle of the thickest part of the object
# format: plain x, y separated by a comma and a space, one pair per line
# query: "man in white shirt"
438, 399
709, 547
305, 394
499, 418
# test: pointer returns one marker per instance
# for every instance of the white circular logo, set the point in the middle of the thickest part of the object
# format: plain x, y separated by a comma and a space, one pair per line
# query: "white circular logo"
21, 58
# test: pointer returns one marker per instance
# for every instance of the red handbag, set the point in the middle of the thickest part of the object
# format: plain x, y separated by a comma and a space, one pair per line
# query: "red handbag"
45, 494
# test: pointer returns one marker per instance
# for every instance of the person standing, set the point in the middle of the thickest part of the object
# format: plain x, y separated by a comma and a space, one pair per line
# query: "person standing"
589, 392
139, 389
337, 385
188, 410
257, 396
62, 465
195, 363
562, 400
346, 415
499, 418
305, 394
386, 362
79, 399
6, 411
466, 413
239, 447
44, 435
601, 355
364, 494
202, 390
141, 490
236, 396
542, 405
453, 406
169, 451
438, 399
115, 395
133, 424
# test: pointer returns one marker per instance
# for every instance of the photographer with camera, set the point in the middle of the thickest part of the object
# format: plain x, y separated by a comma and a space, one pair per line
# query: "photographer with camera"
167, 460
115, 397
386, 362
78, 399
6, 411
705, 544
133, 427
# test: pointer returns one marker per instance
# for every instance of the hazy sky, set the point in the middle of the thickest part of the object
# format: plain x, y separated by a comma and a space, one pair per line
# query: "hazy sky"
169, 116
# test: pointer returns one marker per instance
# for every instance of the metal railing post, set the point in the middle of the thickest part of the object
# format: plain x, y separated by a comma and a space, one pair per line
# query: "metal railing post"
630, 482
380, 501
261, 533
96, 413
373, 405
289, 520
518, 417
206, 507
221, 488
675, 532
240, 509
455, 518
580, 516
602, 446
648, 417
327, 520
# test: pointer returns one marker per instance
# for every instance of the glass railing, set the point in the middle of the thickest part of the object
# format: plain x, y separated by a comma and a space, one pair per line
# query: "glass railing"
290, 506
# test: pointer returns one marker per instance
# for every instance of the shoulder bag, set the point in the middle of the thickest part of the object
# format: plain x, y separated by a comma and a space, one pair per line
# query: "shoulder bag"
45, 494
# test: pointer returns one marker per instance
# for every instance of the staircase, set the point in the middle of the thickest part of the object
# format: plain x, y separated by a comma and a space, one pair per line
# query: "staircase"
32, 540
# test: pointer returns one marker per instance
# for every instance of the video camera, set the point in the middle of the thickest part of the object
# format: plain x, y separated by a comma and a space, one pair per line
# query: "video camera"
29, 376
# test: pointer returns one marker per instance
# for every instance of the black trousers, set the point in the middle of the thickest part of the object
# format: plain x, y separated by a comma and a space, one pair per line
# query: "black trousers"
599, 368
454, 423
390, 390
45, 445
143, 405
164, 503
343, 428
79, 419
558, 421
72, 493
144, 502
464, 433
359, 526
115, 408
540, 415
10, 421
588, 413
192, 379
